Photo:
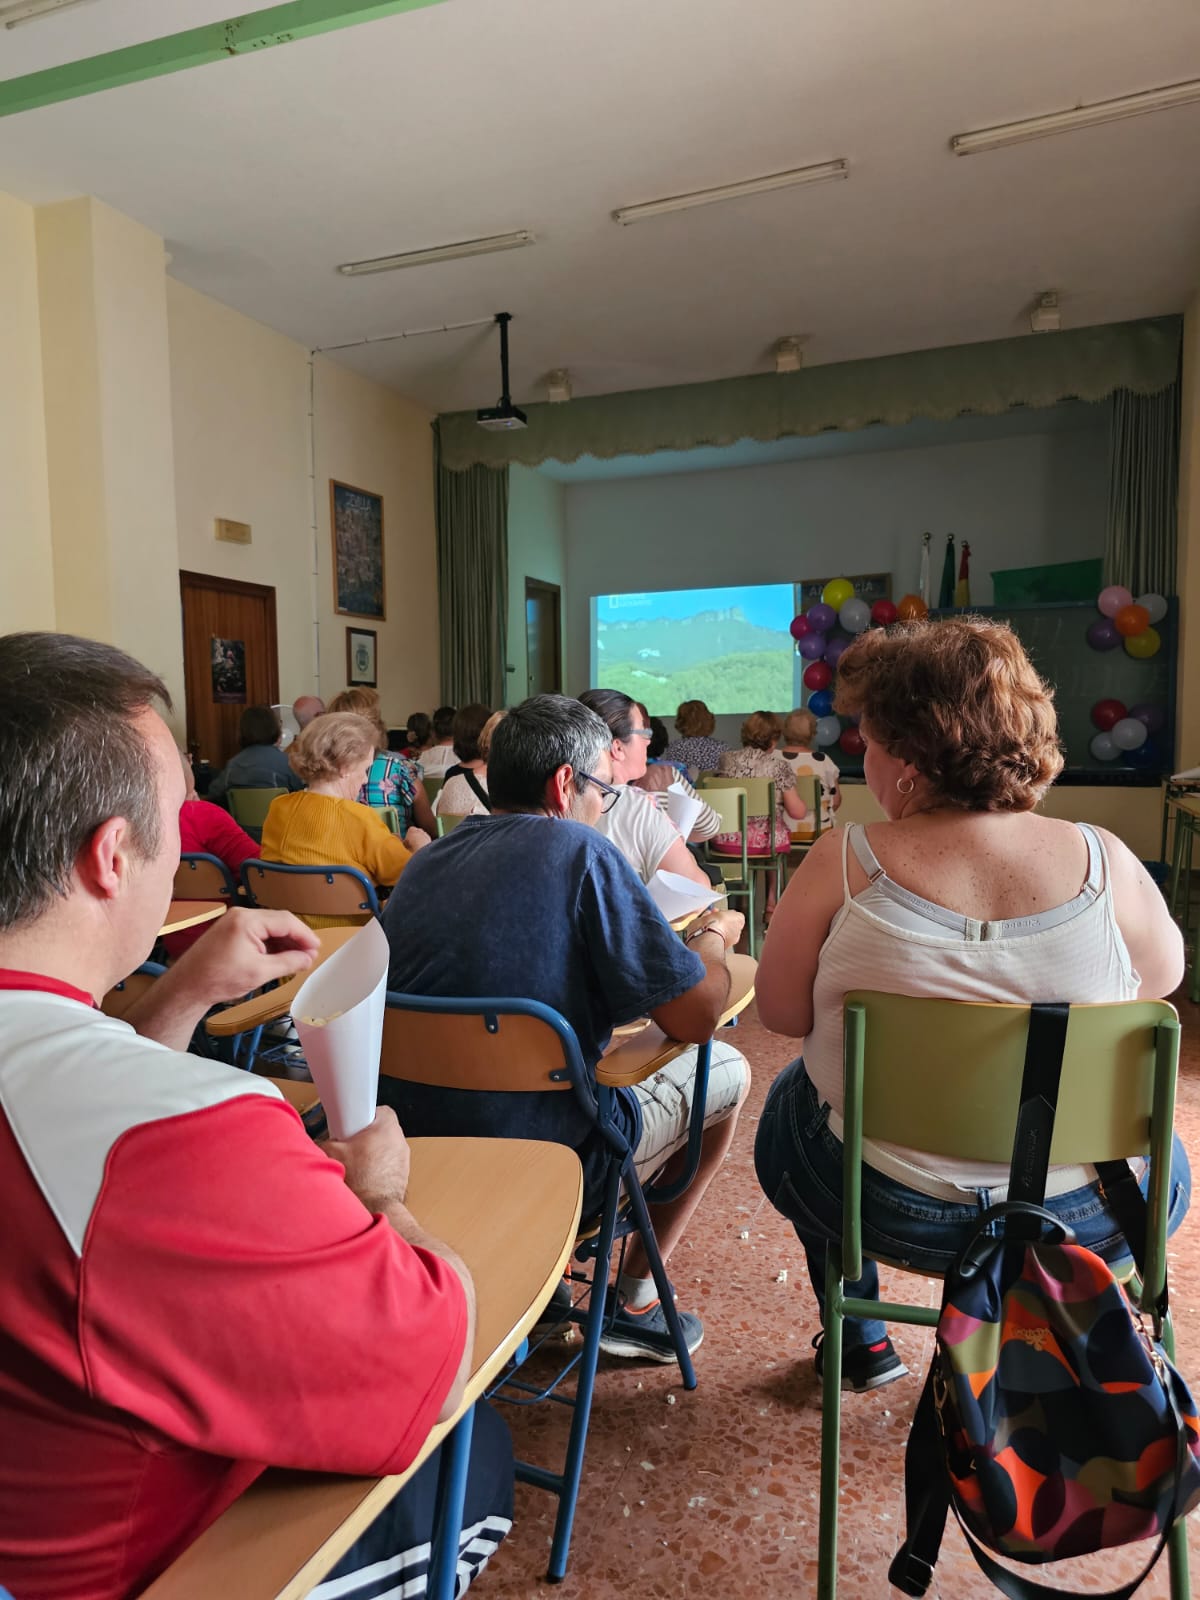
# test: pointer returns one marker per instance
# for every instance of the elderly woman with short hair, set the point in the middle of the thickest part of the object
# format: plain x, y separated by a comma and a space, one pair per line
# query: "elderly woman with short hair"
324, 824
963, 893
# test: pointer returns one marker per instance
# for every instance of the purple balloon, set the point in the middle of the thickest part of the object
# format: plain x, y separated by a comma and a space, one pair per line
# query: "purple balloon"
812, 646
1101, 635
1154, 717
821, 617
836, 650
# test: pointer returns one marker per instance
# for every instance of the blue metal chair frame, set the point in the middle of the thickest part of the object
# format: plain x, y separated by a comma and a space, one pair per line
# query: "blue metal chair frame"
194, 858
597, 1101
370, 900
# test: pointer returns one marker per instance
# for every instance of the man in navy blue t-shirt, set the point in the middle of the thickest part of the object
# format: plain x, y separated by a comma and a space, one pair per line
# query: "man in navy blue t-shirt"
533, 902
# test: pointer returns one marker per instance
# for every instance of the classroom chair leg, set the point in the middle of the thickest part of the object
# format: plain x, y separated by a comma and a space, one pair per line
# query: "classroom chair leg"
831, 1427
637, 1203
451, 1495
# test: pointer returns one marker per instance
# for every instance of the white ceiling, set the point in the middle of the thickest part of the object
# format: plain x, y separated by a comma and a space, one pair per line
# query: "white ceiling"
481, 116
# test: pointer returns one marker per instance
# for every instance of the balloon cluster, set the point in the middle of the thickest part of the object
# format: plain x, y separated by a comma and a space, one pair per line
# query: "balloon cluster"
816, 641
1125, 620
1127, 732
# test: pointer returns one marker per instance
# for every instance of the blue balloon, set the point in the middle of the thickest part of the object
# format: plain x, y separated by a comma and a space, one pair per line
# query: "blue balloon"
821, 703
1146, 757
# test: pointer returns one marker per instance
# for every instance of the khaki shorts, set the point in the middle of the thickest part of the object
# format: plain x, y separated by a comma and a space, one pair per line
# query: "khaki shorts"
665, 1101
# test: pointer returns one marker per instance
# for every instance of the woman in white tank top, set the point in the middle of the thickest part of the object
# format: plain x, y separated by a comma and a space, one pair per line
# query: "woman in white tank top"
963, 893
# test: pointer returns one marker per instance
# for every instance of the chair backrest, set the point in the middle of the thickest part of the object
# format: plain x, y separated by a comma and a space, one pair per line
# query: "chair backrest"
760, 792
390, 817
432, 785
511, 1046
130, 990
249, 807
809, 790
203, 877
325, 891
729, 802
446, 823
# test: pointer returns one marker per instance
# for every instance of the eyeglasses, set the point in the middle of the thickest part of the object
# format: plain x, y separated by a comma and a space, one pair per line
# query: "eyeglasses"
640, 733
611, 795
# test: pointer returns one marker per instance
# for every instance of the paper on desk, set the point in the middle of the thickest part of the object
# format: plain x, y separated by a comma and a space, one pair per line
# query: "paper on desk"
338, 1016
683, 808
677, 896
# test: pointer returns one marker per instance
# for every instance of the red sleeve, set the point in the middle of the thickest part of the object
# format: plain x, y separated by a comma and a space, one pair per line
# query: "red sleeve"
223, 838
236, 1296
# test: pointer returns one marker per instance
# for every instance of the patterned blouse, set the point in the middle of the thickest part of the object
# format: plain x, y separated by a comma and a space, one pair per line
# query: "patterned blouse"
697, 755
392, 781
750, 763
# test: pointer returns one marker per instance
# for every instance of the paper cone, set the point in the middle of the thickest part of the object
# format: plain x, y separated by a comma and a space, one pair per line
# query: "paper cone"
338, 1016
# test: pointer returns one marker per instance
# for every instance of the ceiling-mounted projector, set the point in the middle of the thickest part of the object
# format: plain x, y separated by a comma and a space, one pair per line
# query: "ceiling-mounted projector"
503, 415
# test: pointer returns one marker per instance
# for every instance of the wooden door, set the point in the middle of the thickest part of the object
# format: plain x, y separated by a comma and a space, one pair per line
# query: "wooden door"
543, 637
230, 660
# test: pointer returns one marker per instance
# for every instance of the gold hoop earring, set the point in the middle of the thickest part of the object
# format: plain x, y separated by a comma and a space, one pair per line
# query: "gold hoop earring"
900, 782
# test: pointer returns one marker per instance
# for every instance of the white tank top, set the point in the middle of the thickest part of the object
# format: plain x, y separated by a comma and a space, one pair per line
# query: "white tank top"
890, 939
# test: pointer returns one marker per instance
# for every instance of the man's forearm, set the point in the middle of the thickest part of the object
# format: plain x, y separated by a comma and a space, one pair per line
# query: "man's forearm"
410, 1230
169, 1010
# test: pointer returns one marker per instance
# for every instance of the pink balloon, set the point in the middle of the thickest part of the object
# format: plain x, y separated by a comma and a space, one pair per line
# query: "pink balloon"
1113, 598
798, 627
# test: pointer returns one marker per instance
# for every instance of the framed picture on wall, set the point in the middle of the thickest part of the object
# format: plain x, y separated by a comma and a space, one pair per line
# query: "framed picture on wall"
356, 517
868, 586
360, 657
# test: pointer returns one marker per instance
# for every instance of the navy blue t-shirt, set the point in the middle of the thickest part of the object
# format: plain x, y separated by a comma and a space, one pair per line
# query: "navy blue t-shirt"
541, 909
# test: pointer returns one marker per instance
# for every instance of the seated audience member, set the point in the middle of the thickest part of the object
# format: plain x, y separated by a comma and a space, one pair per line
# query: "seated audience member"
393, 780
260, 763
306, 708
695, 749
465, 793
758, 759
207, 829
796, 748
661, 775
418, 736
324, 825
568, 923
174, 1216
440, 754
644, 835
963, 893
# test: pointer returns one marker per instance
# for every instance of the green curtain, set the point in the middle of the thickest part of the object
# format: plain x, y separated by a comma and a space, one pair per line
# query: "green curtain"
1142, 540
472, 546
984, 379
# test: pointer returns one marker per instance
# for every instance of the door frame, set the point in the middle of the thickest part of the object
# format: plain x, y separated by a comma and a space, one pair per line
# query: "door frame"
536, 586
254, 591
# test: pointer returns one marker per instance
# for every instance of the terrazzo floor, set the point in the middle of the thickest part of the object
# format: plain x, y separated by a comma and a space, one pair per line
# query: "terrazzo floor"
715, 1492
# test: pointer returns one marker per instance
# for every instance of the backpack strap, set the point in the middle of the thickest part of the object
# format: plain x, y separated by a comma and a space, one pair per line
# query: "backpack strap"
926, 1497
476, 788
1044, 1051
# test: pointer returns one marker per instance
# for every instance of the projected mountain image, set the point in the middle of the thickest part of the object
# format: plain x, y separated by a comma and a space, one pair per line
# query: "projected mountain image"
729, 647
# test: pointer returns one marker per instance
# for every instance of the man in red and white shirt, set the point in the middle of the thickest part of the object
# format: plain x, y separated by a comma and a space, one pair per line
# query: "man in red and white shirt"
190, 1289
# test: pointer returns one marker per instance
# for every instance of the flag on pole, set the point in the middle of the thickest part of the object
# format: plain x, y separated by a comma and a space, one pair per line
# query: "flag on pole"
946, 594
962, 589
923, 588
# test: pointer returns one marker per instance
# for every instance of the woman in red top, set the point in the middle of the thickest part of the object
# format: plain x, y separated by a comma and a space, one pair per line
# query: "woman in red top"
207, 829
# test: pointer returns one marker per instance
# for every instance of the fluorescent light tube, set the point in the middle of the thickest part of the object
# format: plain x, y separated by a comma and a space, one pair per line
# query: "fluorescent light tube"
27, 10
439, 252
823, 172
1089, 116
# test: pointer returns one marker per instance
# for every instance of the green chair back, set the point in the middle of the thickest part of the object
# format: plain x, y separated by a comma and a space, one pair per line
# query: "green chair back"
390, 818
432, 785
446, 822
249, 807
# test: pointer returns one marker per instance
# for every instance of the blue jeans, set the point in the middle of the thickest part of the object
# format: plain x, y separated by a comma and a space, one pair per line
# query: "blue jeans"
799, 1165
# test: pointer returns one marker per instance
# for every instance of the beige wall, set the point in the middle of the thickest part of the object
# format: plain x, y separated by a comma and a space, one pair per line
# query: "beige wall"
537, 533
370, 437
26, 560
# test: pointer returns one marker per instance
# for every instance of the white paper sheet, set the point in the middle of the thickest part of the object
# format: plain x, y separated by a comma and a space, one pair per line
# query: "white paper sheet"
677, 896
683, 809
338, 1016
1189, 775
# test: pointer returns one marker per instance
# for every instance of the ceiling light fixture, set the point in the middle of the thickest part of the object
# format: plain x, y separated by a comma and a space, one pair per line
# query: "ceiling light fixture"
1087, 116
29, 10
823, 172
439, 252
1045, 316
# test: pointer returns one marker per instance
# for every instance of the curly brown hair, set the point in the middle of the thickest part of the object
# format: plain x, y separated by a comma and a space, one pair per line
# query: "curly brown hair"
694, 720
761, 730
961, 701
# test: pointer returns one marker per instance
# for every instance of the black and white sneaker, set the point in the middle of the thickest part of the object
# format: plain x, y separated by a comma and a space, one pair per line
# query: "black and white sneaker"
865, 1366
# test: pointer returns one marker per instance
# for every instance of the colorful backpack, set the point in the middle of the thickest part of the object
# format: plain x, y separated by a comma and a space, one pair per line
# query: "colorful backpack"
1051, 1421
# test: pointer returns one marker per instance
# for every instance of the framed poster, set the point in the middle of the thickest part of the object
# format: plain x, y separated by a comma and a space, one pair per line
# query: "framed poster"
868, 586
356, 517
360, 658
228, 671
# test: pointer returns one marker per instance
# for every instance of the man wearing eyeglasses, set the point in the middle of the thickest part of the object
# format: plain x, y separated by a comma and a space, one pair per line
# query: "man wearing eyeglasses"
533, 902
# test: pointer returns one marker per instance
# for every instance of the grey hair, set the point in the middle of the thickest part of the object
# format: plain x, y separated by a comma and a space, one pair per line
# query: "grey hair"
537, 737
70, 760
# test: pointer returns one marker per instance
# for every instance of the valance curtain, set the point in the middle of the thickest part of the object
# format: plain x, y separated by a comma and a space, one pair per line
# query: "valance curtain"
1142, 539
1034, 370
472, 547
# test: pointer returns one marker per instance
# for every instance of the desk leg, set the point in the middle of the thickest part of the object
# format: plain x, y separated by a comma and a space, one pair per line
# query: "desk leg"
451, 1495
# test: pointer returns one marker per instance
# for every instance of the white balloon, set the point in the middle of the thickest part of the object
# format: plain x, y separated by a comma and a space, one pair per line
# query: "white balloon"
1104, 748
855, 615
829, 730
1129, 733
1155, 605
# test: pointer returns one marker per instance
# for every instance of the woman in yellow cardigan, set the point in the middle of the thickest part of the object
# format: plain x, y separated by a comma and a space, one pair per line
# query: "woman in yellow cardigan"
324, 825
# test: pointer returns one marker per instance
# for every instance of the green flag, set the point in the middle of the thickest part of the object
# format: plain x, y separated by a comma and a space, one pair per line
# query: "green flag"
946, 594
